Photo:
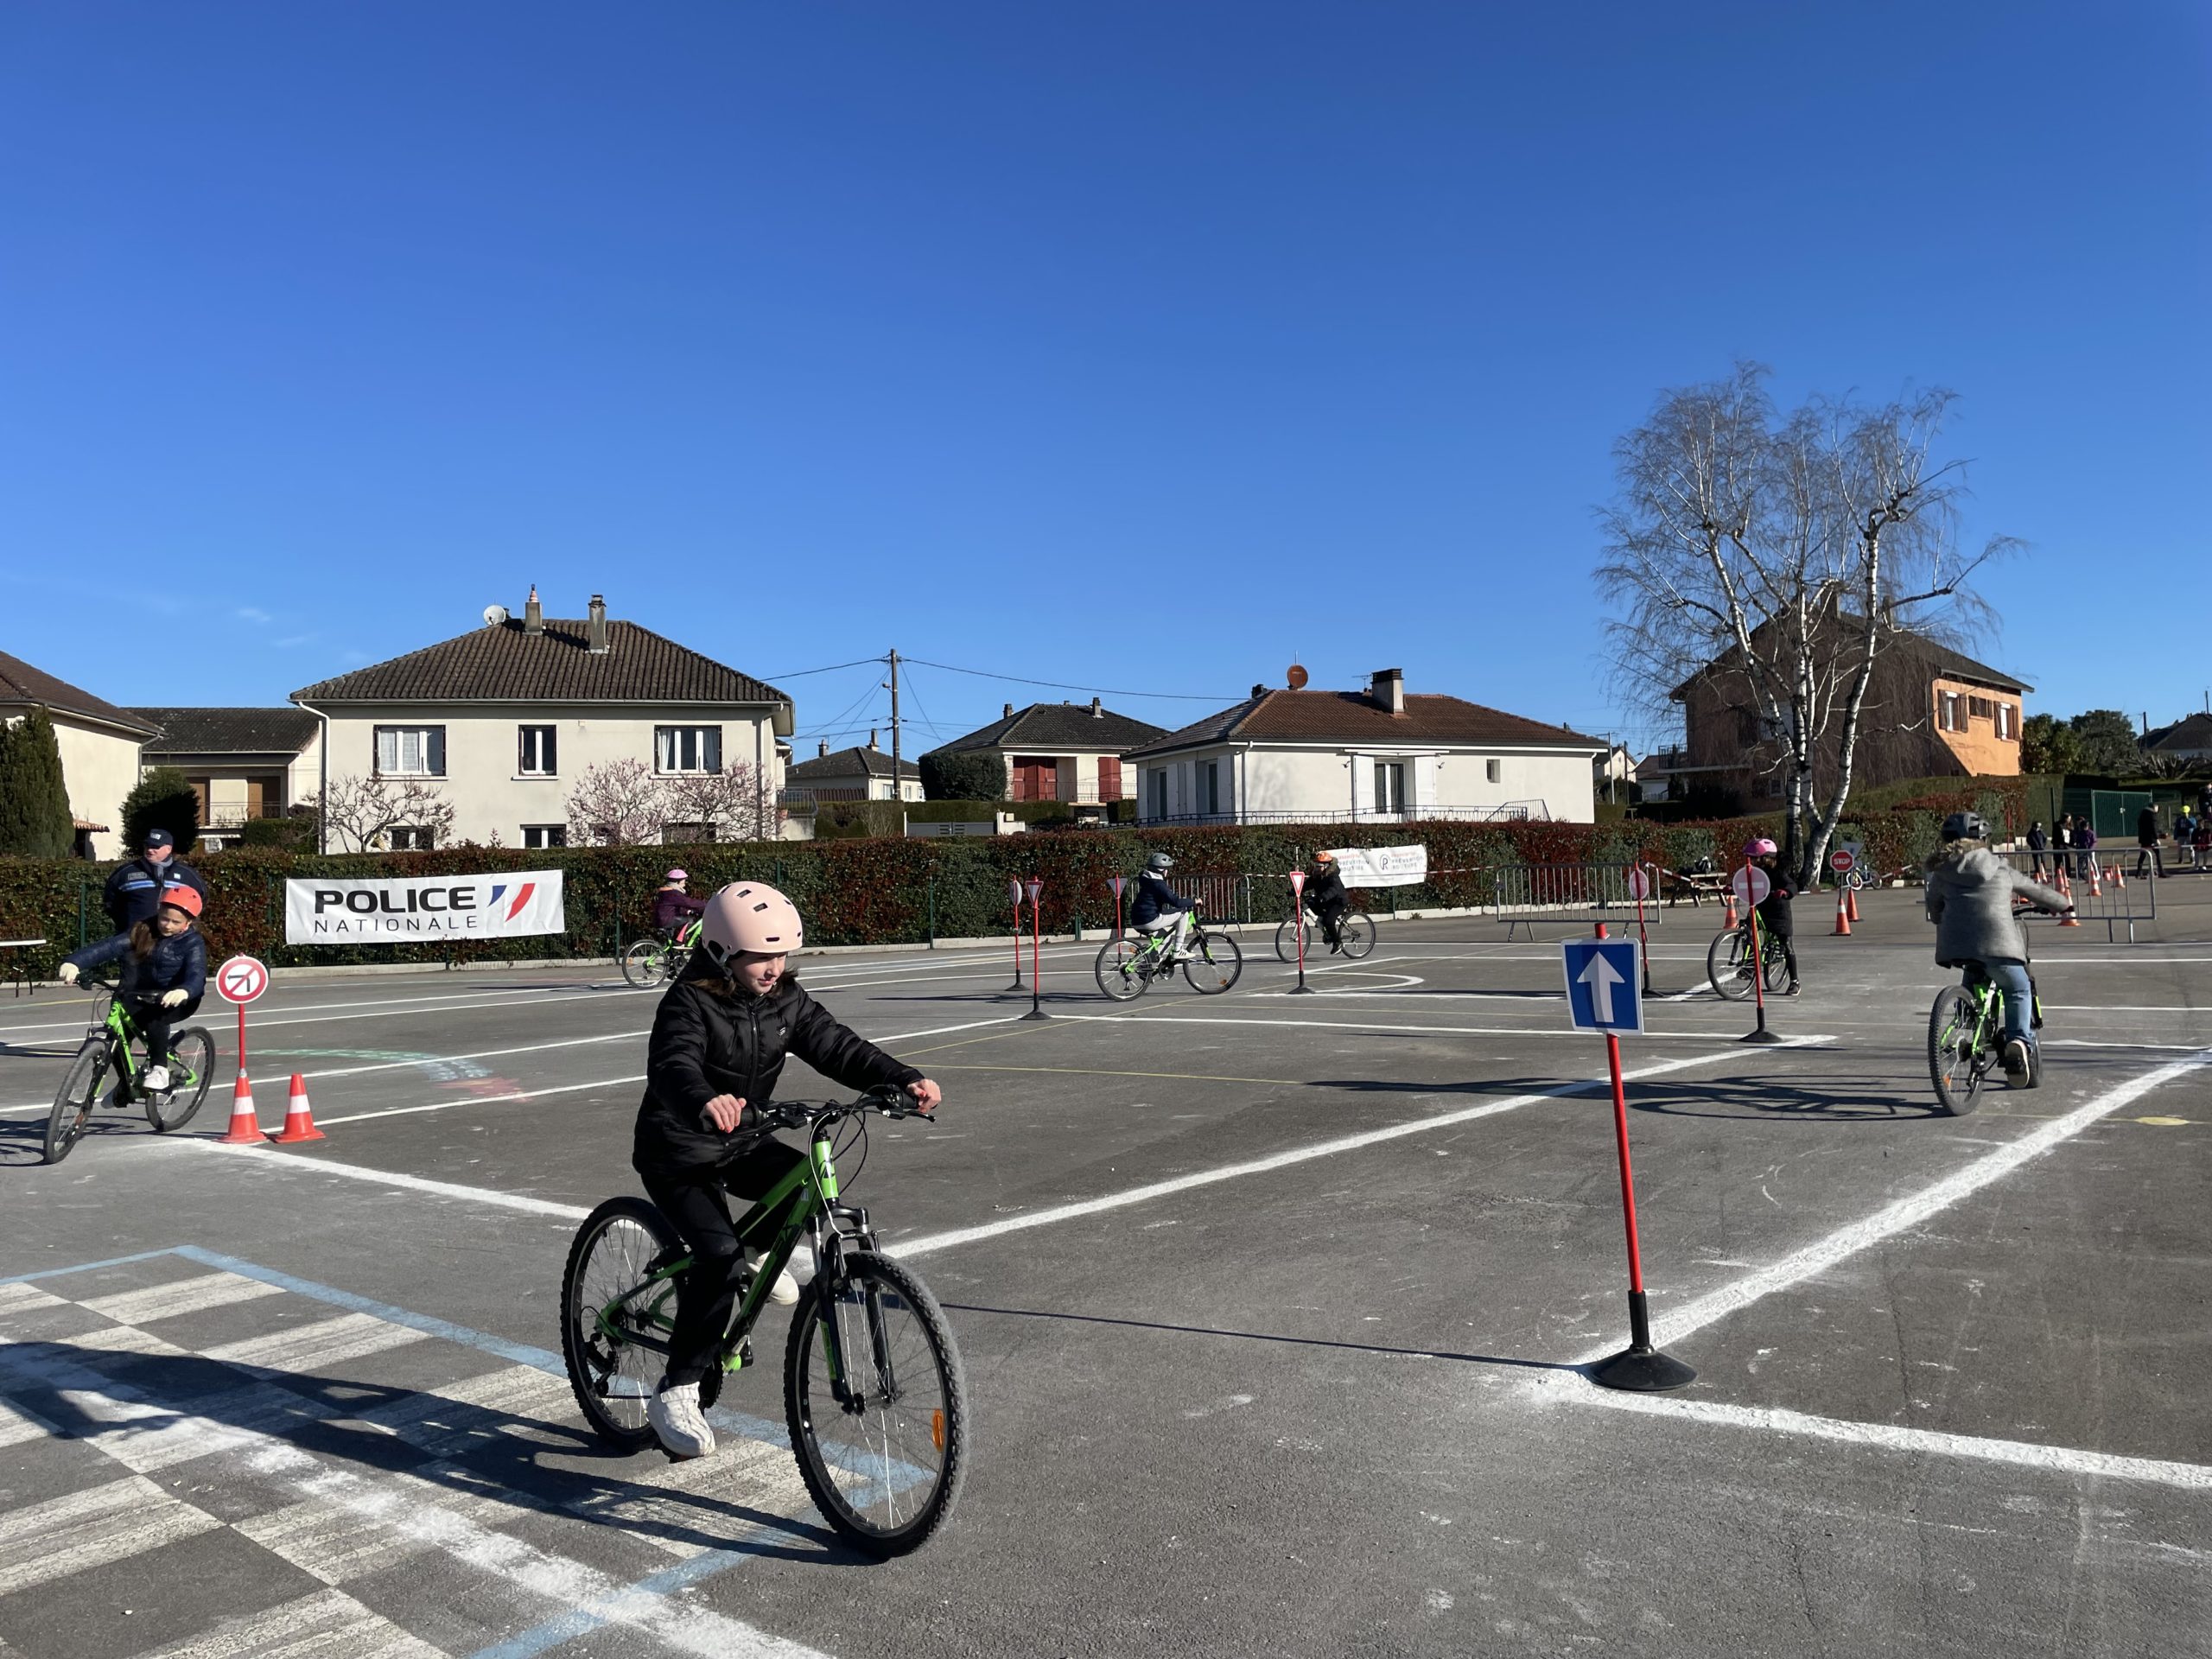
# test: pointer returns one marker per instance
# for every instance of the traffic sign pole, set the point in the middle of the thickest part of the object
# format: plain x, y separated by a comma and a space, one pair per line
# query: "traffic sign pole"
1297, 922
1014, 886
1759, 1034
1640, 884
1036, 946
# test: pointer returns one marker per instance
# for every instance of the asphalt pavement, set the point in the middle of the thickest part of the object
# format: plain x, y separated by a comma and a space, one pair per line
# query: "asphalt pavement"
1273, 1308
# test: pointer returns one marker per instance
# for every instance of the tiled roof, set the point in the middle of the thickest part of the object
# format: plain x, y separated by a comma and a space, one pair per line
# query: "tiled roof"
1281, 716
505, 664
20, 682
2194, 733
228, 731
1939, 658
1959, 666
850, 763
1053, 728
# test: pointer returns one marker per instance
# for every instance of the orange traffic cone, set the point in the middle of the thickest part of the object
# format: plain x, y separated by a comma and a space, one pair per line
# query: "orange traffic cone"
2118, 877
245, 1126
1851, 903
1842, 917
299, 1118
2096, 880
2069, 919
1730, 922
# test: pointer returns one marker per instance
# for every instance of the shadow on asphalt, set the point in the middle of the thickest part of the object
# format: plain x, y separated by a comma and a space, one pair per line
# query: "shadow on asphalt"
1262, 1335
1766, 1097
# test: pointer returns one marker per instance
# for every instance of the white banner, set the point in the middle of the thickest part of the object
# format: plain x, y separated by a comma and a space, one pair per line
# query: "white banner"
401, 910
1382, 866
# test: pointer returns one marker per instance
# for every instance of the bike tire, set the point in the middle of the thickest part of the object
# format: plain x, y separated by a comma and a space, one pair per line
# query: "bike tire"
1777, 970
644, 963
1215, 964
1956, 1063
73, 1102
1356, 934
1725, 966
847, 1458
192, 1054
1286, 942
617, 1246
1116, 973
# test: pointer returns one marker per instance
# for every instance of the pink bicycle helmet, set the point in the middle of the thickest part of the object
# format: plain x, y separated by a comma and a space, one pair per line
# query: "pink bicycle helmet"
677, 875
750, 917
1760, 846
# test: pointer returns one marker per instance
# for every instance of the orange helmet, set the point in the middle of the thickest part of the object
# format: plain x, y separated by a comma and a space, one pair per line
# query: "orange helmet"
185, 899
750, 917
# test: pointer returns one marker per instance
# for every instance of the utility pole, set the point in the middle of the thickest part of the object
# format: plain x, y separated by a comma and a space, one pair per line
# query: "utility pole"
897, 784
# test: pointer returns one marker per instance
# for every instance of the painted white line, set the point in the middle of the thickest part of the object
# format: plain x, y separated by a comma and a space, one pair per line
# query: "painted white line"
326, 1342
408, 1183
1171, 1018
325, 1622
427, 1003
1888, 1437
478, 1054
192, 1295
1817, 1258
40, 1542
1153, 1190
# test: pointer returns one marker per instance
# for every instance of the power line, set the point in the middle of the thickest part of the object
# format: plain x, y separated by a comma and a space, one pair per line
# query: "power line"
801, 673
1062, 685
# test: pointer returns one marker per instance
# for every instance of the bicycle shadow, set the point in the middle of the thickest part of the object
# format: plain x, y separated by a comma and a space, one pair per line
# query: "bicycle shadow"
1758, 1098
23, 1140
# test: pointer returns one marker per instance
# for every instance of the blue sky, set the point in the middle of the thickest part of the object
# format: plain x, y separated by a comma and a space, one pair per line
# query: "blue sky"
1141, 345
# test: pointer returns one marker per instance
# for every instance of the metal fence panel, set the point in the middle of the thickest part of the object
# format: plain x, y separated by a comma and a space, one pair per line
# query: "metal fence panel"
2113, 894
1523, 894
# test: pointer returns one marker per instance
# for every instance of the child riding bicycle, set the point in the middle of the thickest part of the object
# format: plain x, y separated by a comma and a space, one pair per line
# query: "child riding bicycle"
1970, 892
675, 909
1159, 908
720, 1039
1774, 910
164, 973
1325, 897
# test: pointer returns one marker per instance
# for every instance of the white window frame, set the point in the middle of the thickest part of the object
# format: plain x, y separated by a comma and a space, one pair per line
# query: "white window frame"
545, 834
670, 743
1389, 787
1493, 770
427, 744
539, 744
409, 838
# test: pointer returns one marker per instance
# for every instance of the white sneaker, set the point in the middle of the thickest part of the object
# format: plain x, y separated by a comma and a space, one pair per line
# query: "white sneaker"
2015, 1060
784, 1291
156, 1079
675, 1417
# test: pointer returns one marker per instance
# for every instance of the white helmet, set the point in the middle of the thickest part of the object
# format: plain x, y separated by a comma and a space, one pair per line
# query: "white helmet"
750, 917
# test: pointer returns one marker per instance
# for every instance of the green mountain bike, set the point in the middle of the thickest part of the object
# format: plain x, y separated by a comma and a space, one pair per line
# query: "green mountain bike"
647, 963
1728, 962
1127, 966
1966, 1039
874, 1398
108, 1046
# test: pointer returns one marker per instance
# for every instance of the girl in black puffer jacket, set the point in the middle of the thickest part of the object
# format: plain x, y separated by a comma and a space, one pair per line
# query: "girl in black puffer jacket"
164, 973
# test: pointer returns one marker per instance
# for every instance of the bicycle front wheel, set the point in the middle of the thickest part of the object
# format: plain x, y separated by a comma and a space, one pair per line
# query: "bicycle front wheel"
1286, 942
876, 1404
644, 963
1213, 964
1956, 1058
191, 1065
620, 1244
73, 1103
1356, 934
1727, 965
1118, 972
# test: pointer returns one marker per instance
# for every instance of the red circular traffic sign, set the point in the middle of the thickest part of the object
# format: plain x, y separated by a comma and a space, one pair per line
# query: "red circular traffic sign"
241, 979
1840, 862
1750, 885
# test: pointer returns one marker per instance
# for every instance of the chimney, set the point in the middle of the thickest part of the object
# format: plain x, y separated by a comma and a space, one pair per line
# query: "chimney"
871, 737
1097, 712
1388, 689
1259, 691
533, 614
598, 628
1009, 711
822, 754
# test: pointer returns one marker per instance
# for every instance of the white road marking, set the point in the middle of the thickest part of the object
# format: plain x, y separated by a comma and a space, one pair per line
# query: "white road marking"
400, 1006
40, 1542
1817, 1258
1171, 1018
1285, 1159
15, 1298
179, 1296
326, 1342
408, 1183
328, 1622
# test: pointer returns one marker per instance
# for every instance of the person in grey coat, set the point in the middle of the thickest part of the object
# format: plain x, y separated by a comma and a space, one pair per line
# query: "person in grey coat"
1970, 893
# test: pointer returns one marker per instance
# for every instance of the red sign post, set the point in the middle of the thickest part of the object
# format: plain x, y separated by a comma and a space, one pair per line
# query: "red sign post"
1297, 920
1639, 887
1036, 945
240, 981
1117, 882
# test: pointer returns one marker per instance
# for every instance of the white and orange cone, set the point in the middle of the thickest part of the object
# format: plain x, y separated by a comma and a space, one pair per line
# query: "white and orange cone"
2069, 919
246, 1125
1842, 917
299, 1116
2096, 880
1851, 903
2118, 878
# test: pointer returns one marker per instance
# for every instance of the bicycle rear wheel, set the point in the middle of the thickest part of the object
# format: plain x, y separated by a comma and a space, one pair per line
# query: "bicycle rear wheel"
1117, 970
1957, 1058
619, 1245
1727, 965
645, 964
1213, 964
877, 1405
1286, 941
1356, 934
73, 1102
192, 1066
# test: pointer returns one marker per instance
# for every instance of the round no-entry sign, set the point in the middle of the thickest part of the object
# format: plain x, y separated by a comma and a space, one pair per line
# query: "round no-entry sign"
241, 979
1840, 862
1639, 883
1750, 885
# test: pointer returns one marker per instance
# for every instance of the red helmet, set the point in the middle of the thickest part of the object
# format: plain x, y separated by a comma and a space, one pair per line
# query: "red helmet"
1760, 846
184, 898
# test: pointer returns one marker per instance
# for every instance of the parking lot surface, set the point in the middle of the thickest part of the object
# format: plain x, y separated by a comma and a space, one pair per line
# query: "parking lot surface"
1273, 1309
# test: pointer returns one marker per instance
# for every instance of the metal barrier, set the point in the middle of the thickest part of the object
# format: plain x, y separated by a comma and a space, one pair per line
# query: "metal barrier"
1524, 895
2118, 901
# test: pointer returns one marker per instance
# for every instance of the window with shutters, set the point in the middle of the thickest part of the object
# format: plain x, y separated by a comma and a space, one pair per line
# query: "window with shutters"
410, 751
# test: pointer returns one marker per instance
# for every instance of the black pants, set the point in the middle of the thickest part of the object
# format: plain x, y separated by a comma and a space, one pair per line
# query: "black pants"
1331, 918
2150, 856
699, 1211
1788, 943
155, 1022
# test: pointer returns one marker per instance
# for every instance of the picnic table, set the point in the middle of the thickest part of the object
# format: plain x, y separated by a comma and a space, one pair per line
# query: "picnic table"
1697, 885
22, 974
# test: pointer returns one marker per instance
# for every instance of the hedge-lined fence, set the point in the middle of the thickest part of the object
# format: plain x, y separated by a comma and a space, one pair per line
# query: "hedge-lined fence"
887, 891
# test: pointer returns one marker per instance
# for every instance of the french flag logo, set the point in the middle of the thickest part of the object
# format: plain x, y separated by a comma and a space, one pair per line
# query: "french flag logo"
521, 898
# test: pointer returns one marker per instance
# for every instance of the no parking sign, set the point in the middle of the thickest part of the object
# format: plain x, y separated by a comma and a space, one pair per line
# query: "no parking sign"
239, 980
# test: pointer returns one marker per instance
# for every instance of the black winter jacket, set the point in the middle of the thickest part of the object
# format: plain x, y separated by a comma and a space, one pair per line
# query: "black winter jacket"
134, 889
704, 1045
177, 962
1326, 891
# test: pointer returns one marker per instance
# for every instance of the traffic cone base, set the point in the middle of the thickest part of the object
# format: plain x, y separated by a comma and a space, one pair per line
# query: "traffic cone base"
299, 1116
245, 1126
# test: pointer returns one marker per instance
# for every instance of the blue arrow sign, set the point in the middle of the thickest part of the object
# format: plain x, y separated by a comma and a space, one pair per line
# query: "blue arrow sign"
1604, 984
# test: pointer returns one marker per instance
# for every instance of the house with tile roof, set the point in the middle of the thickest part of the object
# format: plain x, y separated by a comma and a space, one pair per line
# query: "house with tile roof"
2189, 738
99, 746
854, 774
1063, 751
504, 720
242, 763
1381, 755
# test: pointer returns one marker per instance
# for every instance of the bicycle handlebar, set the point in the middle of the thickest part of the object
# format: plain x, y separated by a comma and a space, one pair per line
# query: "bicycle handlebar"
806, 1114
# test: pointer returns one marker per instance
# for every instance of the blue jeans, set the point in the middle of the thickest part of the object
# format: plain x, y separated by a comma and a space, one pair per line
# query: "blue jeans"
2010, 975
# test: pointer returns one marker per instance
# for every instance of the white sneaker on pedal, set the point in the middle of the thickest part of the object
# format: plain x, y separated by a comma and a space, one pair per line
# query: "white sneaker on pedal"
675, 1417
784, 1291
156, 1079
2015, 1059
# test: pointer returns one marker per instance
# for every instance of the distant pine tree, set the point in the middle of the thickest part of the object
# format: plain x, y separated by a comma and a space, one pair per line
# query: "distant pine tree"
34, 817
162, 800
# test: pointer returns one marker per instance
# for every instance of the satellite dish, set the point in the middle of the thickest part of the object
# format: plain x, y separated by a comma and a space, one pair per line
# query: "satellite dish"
494, 615
1297, 677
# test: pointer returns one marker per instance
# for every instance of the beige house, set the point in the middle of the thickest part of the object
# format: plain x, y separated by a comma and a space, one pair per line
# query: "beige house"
1377, 756
854, 774
99, 746
1062, 752
507, 722
242, 763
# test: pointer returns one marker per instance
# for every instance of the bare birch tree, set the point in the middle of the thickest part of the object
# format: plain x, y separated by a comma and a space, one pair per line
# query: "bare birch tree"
716, 806
364, 811
1783, 556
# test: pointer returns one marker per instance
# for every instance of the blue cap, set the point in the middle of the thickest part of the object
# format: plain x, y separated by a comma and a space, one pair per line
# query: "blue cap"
159, 838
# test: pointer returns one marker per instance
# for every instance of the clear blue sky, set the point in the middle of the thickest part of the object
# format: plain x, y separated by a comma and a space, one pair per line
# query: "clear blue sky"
1016, 335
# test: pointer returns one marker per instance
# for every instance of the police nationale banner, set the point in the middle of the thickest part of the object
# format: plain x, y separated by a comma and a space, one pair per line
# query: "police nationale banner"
1382, 866
403, 910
